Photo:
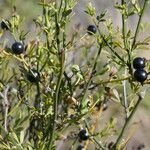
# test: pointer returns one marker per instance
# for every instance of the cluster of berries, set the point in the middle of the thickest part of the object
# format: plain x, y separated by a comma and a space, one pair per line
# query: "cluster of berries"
83, 136
18, 48
140, 74
138, 63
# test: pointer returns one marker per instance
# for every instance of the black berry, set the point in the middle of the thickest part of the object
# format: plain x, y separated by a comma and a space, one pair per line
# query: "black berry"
139, 63
17, 48
140, 75
110, 145
4, 26
83, 135
33, 76
91, 29
80, 147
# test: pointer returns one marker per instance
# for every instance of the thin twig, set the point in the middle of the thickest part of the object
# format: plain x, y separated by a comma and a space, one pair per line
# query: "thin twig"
94, 138
117, 80
108, 45
56, 96
124, 26
138, 25
91, 75
127, 122
125, 94
69, 83
5, 106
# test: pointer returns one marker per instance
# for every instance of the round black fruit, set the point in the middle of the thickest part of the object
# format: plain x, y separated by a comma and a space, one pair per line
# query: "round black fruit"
33, 76
110, 145
139, 63
17, 48
140, 75
80, 147
91, 29
4, 26
83, 135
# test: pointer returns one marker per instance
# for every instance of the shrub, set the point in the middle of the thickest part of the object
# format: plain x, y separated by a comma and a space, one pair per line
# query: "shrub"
58, 83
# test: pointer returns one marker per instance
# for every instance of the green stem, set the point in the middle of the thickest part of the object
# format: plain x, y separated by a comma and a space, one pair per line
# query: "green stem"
61, 2
124, 30
91, 75
127, 122
108, 45
138, 25
56, 96
109, 81
125, 95
87, 86
113, 81
55, 108
57, 28
124, 25
99, 144
125, 46
94, 138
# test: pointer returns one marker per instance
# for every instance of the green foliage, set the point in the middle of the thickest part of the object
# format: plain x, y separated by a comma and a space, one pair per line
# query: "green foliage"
37, 115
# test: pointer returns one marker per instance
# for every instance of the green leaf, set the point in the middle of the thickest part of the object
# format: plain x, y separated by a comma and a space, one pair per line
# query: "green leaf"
66, 12
116, 95
14, 109
21, 137
90, 10
49, 111
84, 107
75, 68
4, 146
120, 7
14, 136
100, 17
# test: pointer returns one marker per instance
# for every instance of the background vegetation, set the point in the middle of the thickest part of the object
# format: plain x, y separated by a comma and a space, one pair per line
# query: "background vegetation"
84, 48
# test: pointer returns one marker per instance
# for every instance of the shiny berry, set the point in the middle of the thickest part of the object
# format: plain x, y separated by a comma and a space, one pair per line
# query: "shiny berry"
139, 63
4, 26
33, 76
140, 75
91, 29
80, 147
83, 135
17, 48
